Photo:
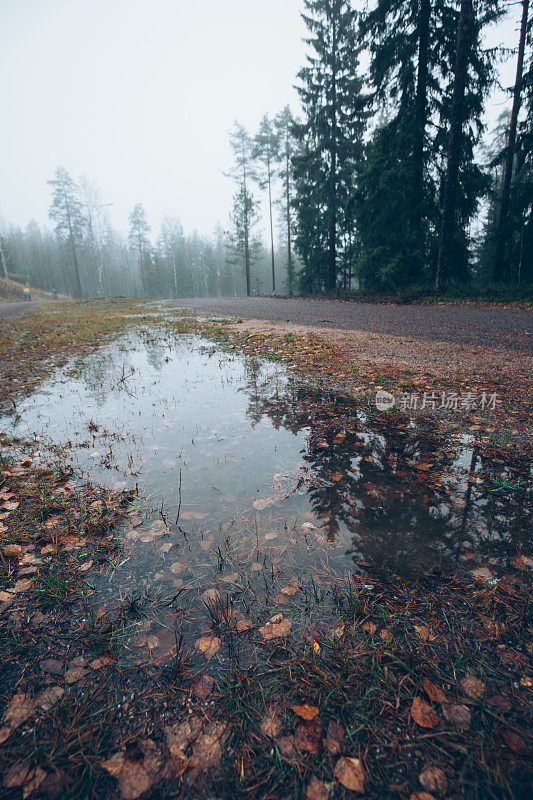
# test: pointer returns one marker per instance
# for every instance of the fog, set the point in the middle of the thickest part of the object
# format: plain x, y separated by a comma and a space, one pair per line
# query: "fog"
140, 95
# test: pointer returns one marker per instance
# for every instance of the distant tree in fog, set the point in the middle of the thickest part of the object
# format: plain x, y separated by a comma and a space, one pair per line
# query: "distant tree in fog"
139, 241
66, 212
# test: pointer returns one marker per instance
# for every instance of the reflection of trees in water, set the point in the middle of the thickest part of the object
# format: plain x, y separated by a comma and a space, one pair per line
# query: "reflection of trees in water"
392, 510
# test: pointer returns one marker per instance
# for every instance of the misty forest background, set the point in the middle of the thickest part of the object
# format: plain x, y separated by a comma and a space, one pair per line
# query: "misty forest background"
385, 181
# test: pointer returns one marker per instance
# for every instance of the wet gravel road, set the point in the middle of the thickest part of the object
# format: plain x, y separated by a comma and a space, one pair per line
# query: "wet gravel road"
18, 308
473, 325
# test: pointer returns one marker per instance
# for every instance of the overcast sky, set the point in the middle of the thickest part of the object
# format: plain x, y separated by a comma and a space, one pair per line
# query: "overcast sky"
139, 96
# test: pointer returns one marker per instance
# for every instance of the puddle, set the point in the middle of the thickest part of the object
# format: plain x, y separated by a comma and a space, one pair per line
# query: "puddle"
259, 490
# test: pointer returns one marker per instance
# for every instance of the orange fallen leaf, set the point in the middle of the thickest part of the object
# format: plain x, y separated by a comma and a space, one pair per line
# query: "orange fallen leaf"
305, 712
472, 686
434, 692
424, 714
349, 772
274, 630
209, 645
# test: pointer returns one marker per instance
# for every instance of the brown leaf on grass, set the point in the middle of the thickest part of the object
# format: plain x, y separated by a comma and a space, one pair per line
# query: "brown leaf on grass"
12, 551
135, 769
177, 568
522, 562
271, 724
433, 779
286, 747
207, 749
369, 627
424, 633
499, 702
434, 692
421, 796
308, 735
24, 776
274, 630
209, 645
210, 596
335, 741
472, 686
349, 772
386, 635
243, 625
10, 505
203, 687
515, 742
281, 599
458, 714
180, 735
19, 709
482, 574
305, 712
424, 714
316, 790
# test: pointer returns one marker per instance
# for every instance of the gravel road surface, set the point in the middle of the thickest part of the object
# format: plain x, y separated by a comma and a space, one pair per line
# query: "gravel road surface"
469, 324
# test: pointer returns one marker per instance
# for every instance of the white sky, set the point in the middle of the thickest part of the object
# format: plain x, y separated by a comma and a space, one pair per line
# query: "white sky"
139, 96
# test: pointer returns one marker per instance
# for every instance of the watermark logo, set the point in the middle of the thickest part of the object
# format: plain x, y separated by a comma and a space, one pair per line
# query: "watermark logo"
384, 400
438, 401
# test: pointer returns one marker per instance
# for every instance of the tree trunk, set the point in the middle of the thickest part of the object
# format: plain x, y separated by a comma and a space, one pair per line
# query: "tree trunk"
73, 247
290, 276
271, 230
464, 44
332, 260
420, 119
3, 260
502, 233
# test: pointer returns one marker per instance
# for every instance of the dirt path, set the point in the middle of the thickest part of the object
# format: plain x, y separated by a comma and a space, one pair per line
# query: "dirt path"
469, 324
18, 309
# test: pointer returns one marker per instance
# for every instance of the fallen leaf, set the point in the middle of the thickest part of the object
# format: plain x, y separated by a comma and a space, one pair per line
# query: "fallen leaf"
522, 562
209, 645
207, 749
386, 635
273, 630
515, 742
421, 796
424, 714
271, 724
482, 574
335, 741
316, 790
433, 692
369, 627
472, 686
243, 625
349, 772
180, 735
203, 687
308, 735
210, 596
12, 551
177, 568
458, 714
424, 633
19, 709
433, 779
305, 712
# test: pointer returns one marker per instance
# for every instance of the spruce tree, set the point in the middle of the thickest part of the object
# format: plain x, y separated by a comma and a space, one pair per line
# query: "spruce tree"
265, 154
285, 124
335, 114
243, 215
139, 241
66, 212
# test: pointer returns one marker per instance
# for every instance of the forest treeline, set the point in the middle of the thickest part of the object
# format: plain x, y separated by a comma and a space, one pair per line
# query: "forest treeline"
386, 178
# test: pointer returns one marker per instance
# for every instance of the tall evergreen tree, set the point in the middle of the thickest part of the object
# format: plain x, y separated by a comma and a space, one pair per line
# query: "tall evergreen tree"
139, 241
285, 124
502, 233
265, 154
335, 113
244, 207
66, 212
243, 245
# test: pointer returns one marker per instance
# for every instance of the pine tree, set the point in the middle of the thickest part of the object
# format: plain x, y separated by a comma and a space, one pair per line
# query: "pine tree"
66, 212
139, 241
242, 245
502, 233
265, 153
244, 207
335, 113
285, 124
